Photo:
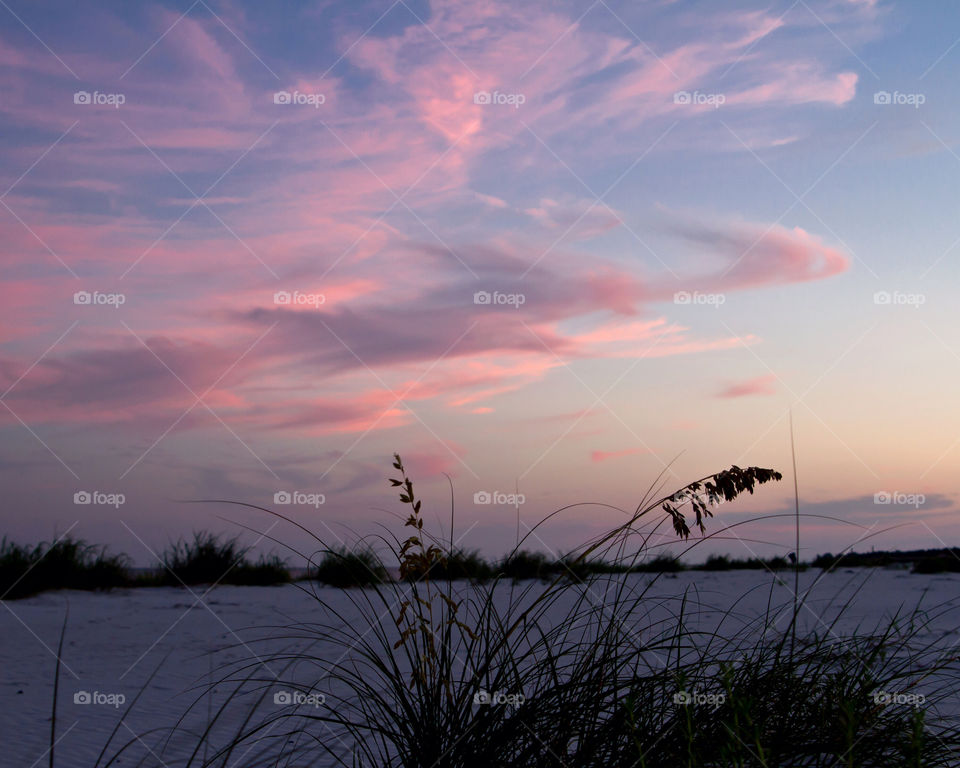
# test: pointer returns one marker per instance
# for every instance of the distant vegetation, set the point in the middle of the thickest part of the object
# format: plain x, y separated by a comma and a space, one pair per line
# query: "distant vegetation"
207, 558
342, 567
67, 563
943, 560
70, 563
726, 563
210, 559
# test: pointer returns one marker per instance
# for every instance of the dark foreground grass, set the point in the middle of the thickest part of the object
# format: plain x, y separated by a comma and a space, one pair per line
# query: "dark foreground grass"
568, 672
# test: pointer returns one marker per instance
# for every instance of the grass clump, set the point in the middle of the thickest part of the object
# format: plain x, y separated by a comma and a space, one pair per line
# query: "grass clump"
66, 563
342, 567
941, 560
939, 564
727, 563
660, 564
459, 564
525, 564
212, 559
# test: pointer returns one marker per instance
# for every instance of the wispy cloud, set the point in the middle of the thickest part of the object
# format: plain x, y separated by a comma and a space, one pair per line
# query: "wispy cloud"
760, 385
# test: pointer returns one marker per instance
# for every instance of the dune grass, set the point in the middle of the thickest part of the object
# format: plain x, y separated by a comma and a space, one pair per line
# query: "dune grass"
212, 559
209, 558
947, 563
66, 563
70, 563
343, 567
727, 563
457, 564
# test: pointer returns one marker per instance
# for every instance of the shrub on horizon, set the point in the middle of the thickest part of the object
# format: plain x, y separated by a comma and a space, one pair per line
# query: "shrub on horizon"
342, 567
67, 563
211, 559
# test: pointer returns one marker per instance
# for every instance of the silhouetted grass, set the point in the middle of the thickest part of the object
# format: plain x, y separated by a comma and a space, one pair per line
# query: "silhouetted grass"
526, 565
948, 563
944, 559
212, 559
659, 564
342, 567
67, 563
460, 564
726, 563
77, 565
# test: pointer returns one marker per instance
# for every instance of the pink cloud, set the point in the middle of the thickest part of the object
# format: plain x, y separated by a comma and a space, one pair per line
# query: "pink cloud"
656, 338
398, 286
798, 84
760, 385
369, 324
435, 461
598, 456
753, 255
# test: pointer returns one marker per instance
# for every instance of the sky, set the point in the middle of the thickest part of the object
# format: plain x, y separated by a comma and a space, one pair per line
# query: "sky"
548, 252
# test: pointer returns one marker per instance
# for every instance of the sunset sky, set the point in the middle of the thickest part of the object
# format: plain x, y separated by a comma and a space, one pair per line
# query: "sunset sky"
247, 249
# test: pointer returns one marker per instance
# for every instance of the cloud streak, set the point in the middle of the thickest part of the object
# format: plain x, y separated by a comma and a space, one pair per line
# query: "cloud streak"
760, 385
